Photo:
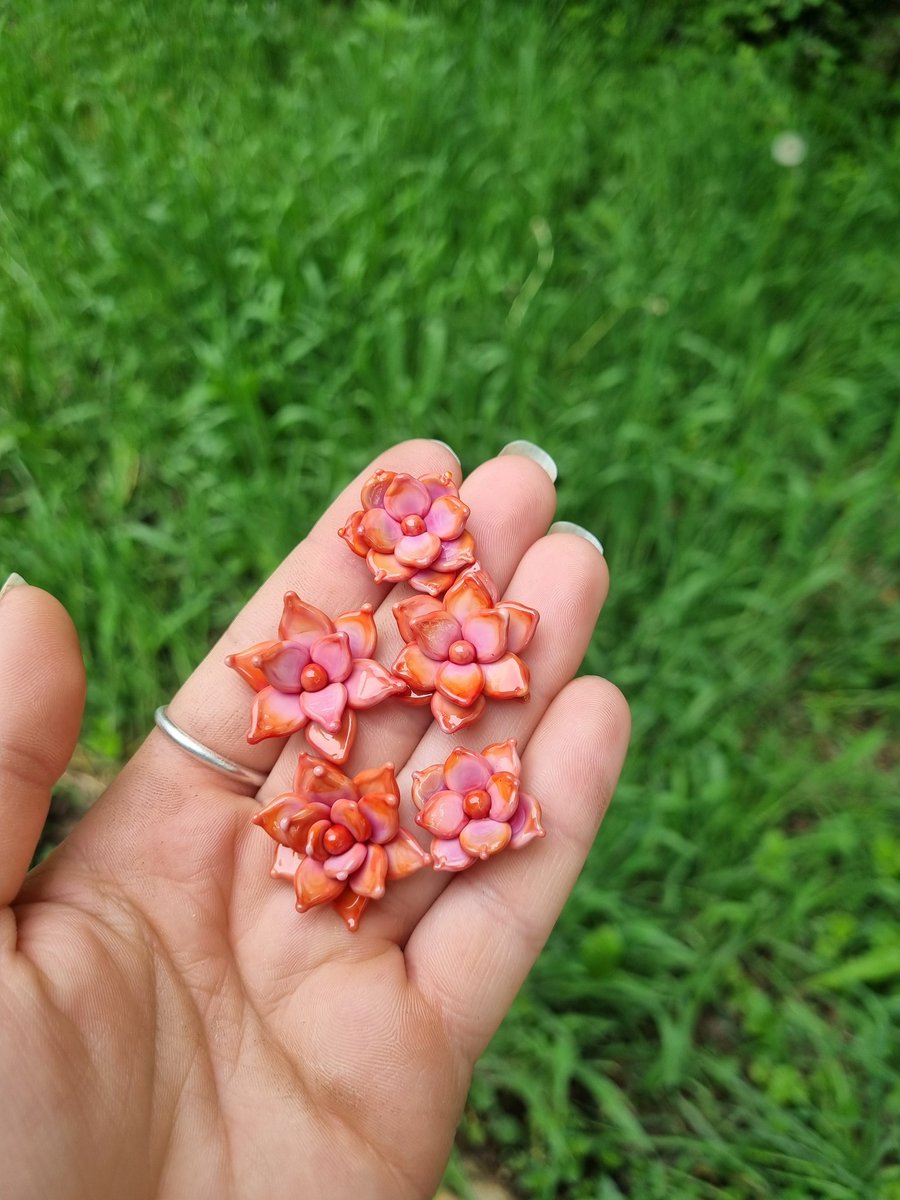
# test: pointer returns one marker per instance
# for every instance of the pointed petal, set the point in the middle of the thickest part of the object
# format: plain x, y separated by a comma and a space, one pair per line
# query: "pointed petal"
435, 633
383, 814
243, 664
523, 621
435, 583
464, 770
372, 494
405, 856
439, 485
319, 780
503, 790
473, 591
386, 569
313, 886
369, 683
351, 532
486, 630
447, 517
526, 822
426, 782
333, 654
369, 879
315, 844
335, 747
376, 780
285, 863
288, 817
274, 714
506, 679
347, 813
452, 717
342, 866
481, 839
406, 497
359, 627
418, 550
462, 684
281, 665
350, 907
443, 815
380, 530
503, 757
448, 855
306, 819
326, 708
415, 606
457, 553
299, 618
416, 669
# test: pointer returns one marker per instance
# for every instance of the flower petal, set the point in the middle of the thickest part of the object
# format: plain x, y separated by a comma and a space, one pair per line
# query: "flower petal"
350, 907
383, 814
372, 494
426, 782
359, 627
275, 714
326, 707
380, 530
281, 665
386, 569
336, 746
443, 815
447, 517
486, 630
376, 780
503, 790
526, 822
315, 839
448, 855
503, 757
415, 606
416, 668
460, 552
405, 856
369, 879
299, 619
481, 839
506, 679
342, 866
243, 664
332, 653
285, 863
523, 621
435, 583
313, 886
452, 717
288, 817
406, 497
439, 485
460, 682
347, 813
418, 550
473, 591
369, 683
351, 532
321, 781
435, 633
464, 770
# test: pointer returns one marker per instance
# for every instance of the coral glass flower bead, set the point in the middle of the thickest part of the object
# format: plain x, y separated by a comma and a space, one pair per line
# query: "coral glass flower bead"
339, 838
315, 677
464, 648
473, 806
411, 530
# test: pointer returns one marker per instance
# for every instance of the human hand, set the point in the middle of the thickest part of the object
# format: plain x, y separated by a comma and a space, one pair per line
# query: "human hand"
169, 1025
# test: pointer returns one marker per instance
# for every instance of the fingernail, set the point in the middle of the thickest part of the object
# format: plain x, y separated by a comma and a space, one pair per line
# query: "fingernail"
578, 530
438, 442
14, 580
535, 453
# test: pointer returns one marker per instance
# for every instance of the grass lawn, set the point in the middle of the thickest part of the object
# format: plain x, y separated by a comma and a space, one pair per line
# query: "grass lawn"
243, 245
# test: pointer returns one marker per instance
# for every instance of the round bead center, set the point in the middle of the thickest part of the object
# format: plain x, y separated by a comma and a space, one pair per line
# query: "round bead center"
477, 804
337, 839
462, 653
313, 678
412, 526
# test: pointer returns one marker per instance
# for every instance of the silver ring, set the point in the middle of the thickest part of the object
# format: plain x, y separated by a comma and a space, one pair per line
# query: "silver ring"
216, 761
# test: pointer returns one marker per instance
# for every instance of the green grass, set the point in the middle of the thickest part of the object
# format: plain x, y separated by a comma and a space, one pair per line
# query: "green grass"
242, 245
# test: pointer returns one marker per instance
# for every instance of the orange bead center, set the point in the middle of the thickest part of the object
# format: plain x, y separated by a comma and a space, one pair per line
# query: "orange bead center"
477, 804
337, 839
412, 526
313, 678
462, 653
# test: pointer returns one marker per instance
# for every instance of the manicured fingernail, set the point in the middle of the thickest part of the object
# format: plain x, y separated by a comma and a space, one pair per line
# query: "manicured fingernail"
13, 581
535, 453
438, 442
578, 530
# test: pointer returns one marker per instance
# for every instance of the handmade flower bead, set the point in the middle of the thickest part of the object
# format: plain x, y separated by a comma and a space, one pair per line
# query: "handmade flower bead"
473, 806
464, 648
411, 530
339, 838
316, 677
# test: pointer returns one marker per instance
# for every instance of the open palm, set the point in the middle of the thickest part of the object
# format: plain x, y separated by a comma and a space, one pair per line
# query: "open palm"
169, 1025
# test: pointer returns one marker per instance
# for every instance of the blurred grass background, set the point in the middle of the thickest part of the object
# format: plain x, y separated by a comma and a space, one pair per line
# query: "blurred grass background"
244, 245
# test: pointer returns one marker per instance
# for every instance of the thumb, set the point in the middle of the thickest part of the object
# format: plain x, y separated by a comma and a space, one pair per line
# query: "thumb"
42, 687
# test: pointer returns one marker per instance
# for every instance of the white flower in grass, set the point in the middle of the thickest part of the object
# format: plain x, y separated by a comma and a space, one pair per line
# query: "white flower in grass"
789, 149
